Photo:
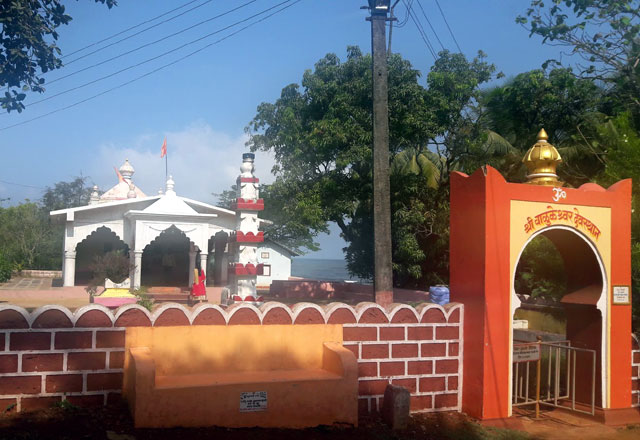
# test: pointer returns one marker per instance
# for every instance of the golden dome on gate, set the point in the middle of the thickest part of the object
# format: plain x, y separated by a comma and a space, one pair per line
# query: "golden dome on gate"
541, 161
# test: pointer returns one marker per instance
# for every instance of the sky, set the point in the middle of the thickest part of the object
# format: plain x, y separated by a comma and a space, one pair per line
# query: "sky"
202, 103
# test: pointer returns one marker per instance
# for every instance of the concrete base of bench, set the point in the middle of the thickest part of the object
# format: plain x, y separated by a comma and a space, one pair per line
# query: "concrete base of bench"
295, 398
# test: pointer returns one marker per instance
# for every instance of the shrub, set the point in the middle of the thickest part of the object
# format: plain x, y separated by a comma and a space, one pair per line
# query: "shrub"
113, 265
5, 268
143, 298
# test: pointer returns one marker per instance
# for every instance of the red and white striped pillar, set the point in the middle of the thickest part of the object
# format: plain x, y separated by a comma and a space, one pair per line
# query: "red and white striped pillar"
244, 242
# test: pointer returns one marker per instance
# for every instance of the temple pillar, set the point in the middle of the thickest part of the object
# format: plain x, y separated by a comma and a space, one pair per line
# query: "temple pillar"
203, 262
69, 269
136, 269
224, 274
192, 265
243, 243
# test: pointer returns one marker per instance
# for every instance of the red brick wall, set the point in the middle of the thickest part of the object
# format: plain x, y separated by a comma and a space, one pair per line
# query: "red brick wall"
419, 349
52, 354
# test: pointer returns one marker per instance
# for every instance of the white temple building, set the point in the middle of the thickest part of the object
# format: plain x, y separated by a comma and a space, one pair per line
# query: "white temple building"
165, 235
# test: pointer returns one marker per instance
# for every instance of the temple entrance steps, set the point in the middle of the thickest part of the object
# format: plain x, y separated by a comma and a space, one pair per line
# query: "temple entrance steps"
161, 294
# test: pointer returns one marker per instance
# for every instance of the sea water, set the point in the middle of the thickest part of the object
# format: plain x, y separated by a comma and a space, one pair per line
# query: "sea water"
321, 269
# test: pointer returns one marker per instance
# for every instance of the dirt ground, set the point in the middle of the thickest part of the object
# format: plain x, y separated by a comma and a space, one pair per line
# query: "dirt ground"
114, 423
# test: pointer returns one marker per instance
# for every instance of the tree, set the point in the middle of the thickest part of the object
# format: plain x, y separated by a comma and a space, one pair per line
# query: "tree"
65, 195
28, 238
565, 106
24, 230
320, 134
28, 46
540, 270
554, 100
604, 34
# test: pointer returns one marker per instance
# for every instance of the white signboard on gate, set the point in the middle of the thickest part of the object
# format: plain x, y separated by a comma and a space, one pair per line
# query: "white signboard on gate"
526, 352
253, 401
621, 295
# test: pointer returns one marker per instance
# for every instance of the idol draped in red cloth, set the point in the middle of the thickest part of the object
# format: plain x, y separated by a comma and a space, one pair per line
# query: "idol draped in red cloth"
198, 288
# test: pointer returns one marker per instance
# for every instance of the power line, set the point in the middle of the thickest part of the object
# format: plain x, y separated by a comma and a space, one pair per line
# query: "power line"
148, 60
430, 25
448, 27
21, 184
159, 68
421, 31
137, 25
151, 43
140, 32
403, 22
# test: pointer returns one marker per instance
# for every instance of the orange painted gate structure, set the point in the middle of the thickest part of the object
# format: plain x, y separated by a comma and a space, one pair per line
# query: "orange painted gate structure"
492, 221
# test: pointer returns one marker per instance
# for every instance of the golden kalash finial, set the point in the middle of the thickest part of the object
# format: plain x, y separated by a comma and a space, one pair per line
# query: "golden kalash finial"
541, 161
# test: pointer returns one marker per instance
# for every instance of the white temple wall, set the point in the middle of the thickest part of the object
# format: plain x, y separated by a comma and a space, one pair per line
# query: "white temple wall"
279, 261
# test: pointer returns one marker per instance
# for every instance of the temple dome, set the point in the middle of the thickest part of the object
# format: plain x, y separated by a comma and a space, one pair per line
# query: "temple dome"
125, 188
541, 161
126, 170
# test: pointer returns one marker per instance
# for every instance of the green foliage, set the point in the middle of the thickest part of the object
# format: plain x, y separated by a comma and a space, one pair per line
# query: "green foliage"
320, 134
620, 140
565, 106
540, 271
28, 238
616, 142
291, 221
28, 46
65, 195
5, 268
603, 35
554, 100
226, 197
24, 231
143, 298
420, 232
65, 405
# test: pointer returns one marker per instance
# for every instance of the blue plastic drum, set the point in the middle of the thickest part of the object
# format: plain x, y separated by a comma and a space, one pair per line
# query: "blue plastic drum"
439, 294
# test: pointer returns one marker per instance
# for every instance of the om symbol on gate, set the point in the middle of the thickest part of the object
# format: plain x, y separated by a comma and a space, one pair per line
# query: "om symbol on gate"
559, 194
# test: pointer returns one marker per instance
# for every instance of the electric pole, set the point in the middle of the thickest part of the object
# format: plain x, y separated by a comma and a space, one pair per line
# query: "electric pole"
383, 274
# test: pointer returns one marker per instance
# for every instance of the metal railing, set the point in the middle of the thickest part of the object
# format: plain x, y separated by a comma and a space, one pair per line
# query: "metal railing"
553, 375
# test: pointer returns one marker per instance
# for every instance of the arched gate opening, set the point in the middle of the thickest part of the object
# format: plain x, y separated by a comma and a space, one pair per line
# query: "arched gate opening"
102, 241
571, 331
165, 261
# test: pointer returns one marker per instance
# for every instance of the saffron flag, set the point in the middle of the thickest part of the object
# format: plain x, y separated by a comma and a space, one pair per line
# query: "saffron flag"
120, 178
163, 151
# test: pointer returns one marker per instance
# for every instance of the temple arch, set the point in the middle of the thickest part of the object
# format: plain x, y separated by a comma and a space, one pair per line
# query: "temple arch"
98, 243
219, 261
166, 260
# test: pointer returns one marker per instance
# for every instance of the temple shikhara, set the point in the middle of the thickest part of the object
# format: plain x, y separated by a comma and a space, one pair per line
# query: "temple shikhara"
167, 236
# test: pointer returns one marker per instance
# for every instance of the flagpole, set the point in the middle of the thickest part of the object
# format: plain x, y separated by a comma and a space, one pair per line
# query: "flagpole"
164, 153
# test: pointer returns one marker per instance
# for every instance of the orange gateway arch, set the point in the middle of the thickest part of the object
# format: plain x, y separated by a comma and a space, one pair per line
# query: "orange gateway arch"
492, 221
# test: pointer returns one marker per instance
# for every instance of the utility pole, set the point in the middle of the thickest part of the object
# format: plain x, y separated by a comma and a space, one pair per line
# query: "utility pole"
383, 274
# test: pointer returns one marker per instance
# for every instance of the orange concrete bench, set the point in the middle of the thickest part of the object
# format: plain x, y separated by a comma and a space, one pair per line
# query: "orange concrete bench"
286, 376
